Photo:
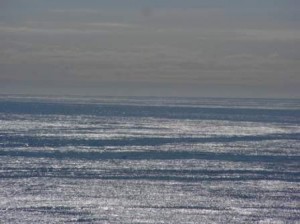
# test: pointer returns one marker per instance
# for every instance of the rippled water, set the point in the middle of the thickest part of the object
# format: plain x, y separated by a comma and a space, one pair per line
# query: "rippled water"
149, 160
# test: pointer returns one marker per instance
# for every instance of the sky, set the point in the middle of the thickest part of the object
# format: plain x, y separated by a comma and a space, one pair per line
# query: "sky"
190, 48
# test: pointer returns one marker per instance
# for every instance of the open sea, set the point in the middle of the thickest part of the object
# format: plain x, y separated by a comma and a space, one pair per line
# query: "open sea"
149, 160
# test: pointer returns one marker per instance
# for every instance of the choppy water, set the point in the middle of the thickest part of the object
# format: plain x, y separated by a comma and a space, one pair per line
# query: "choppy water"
149, 160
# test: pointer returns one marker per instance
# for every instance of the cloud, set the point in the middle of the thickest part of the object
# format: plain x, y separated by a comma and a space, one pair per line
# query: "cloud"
160, 46
268, 34
53, 29
75, 11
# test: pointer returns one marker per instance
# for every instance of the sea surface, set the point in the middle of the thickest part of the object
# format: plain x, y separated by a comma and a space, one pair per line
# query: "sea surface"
149, 160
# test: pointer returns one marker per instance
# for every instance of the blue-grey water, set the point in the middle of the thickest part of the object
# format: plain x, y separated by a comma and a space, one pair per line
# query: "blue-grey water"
149, 160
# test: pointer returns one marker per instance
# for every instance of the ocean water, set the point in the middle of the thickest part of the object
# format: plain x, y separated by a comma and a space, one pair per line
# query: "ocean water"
149, 160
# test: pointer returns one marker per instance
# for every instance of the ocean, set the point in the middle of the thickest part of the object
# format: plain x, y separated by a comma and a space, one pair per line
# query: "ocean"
149, 160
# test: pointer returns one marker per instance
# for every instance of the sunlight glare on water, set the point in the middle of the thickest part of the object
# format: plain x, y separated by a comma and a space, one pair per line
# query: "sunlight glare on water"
139, 161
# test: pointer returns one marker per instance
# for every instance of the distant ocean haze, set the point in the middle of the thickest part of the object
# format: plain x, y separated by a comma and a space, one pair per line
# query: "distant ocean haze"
192, 48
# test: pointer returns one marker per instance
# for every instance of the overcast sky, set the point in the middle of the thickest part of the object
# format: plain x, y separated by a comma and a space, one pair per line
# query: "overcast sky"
201, 48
